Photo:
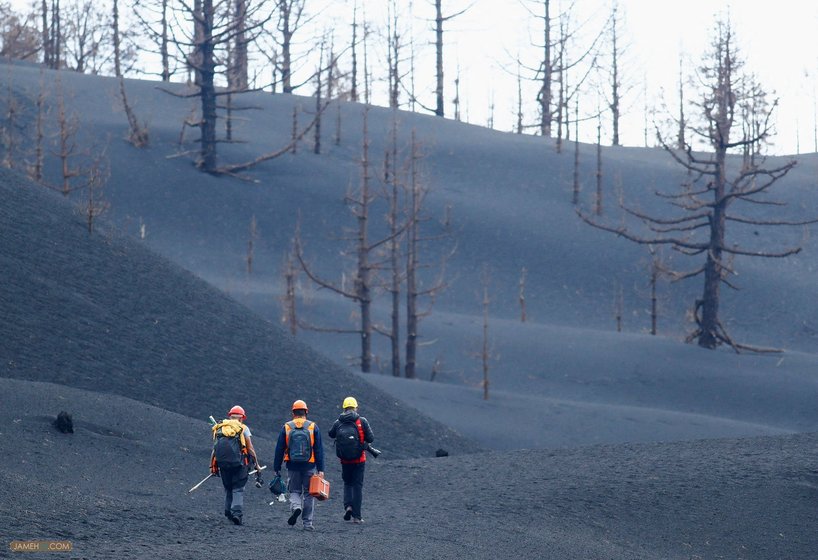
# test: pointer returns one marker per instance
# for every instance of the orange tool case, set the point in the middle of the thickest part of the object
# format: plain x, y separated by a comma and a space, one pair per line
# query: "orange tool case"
319, 487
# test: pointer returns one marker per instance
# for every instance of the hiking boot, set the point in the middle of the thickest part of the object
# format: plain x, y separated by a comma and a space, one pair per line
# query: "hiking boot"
357, 520
294, 517
348, 513
309, 527
236, 519
228, 515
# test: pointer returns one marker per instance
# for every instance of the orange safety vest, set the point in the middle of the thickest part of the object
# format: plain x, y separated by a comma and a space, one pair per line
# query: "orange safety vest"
298, 423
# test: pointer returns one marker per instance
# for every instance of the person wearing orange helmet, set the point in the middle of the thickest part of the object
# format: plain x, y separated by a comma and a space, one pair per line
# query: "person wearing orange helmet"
232, 455
352, 434
299, 446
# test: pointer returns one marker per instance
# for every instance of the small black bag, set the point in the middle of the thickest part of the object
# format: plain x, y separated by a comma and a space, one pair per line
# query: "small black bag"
277, 486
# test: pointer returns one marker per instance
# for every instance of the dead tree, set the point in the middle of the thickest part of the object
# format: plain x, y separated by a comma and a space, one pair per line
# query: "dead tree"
618, 306
94, 205
440, 19
394, 188
353, 93
615, 74
576, 183
251, 242
415, 241
35, 169
87, 37
485, 352
555, 93
709, 201
598, 197
116, 39
292, 18
361, 294
237, 70
52, 45
12, 125
153, 19
288, 303
19, 37
138, 134
212, 31
68, 125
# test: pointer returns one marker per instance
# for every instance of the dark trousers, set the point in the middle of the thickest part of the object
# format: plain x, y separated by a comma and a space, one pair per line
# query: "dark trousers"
353, 476
233, 480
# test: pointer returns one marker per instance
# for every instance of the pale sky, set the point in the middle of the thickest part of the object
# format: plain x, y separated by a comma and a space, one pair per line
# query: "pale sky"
777, 38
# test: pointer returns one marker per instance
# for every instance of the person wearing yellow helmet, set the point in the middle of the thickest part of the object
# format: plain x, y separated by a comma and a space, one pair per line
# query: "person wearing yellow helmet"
352, 434
299, 446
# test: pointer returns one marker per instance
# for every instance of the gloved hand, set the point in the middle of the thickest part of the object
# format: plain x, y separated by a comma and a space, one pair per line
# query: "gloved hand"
259, 481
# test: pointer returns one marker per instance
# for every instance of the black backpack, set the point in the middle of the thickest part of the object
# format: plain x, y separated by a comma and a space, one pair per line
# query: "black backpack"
348, 443
229, 446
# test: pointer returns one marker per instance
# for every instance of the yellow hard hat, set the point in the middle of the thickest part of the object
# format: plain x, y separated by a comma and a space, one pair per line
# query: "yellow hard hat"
299, 405
350, 402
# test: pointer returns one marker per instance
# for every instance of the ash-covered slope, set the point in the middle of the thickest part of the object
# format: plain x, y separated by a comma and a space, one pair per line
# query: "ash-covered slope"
103, 313
117, 487
507, 198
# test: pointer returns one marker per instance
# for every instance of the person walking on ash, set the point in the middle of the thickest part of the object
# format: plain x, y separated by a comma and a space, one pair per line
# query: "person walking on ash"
232, 455
352, 435
299, 446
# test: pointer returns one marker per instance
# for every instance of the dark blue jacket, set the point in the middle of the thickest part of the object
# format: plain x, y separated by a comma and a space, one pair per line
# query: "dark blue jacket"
317, 449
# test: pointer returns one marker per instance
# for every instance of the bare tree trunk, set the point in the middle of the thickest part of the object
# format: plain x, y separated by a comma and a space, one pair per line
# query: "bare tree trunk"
36, 172
251, 244
393, 54
654, 300
485, 353
545, 94
576, 189
615, 85
319, 87
56, 34
137, 134
46, 35
519, 98
680, 139
598, 200
163, 47
439, 109
294, 141
10, 128
364, 270
286, 47
412, 235
353, 94
115, 29
207, 71
394, 247
238, 73
457, 96
290, 277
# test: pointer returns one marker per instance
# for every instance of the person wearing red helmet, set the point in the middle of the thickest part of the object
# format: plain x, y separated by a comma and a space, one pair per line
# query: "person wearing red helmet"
233, 453
299, 445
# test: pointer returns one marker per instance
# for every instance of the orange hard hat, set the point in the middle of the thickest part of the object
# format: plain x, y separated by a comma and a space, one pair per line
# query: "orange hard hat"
300, 405
237, 410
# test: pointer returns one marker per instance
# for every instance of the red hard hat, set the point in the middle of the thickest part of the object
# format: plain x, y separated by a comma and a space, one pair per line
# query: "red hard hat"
300, 405
237, 410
